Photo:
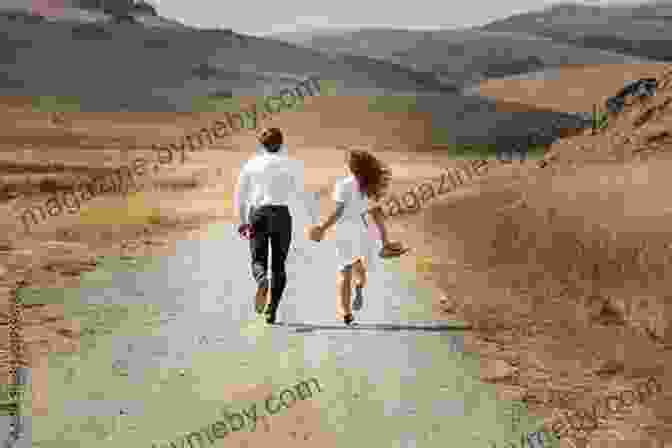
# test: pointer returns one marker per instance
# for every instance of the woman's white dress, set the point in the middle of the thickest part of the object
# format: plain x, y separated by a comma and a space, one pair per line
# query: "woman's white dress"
352, 237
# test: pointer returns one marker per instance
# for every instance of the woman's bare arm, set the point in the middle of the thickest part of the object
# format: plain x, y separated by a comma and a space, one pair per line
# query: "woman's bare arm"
333, 217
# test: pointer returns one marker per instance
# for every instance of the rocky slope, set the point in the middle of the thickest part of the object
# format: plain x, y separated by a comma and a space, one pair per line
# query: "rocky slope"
642, 130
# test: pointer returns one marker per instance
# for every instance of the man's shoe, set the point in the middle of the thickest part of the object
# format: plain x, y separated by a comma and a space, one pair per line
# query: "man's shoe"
271, 312
261, 297
270, 317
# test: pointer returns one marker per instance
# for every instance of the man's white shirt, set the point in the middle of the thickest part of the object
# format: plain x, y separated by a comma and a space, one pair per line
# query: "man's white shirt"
270, 179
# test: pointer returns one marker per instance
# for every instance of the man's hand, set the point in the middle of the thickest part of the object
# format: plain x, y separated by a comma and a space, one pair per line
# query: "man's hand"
315, 233
246, 231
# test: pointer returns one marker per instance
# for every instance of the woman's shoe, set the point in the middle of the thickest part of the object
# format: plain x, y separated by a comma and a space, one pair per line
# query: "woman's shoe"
348, 319
392, 250
359, 298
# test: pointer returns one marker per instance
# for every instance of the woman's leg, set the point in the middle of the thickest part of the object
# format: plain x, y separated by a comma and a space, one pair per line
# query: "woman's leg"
344, 291
359, 274
359, 281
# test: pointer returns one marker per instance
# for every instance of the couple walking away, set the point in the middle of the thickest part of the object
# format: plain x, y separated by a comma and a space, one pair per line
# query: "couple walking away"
270, 181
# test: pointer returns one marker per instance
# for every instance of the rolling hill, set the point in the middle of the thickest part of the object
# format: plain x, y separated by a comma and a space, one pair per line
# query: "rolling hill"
460, 56
158, 66
639, 30
154, 66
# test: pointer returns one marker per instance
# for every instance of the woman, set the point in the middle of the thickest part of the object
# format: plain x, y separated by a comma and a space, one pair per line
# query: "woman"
367, 179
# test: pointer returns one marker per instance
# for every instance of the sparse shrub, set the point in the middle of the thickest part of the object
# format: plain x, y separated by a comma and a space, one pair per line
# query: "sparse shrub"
179, 184
33, 19
155, 217
49, 185
90, 31
157, 43
221, 94
6, 82
600, 118
204, 71
124, 18
29, 17
90, 4
145, 8
117, 7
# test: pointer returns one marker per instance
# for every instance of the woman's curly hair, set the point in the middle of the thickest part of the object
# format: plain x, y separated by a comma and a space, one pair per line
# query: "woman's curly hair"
372, 175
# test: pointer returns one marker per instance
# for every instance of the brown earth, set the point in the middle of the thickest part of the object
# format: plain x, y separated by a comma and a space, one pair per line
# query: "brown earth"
568, 289
577, 88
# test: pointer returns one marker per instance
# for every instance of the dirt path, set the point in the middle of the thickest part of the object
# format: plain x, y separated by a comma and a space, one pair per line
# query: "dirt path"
515, 255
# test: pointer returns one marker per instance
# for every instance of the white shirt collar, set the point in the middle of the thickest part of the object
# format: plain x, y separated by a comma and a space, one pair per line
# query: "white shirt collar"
282, 152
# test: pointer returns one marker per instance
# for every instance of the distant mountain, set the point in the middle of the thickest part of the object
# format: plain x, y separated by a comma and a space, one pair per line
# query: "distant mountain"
156, 64
304, 37
455, 56
107, 6
640, 30
661, 9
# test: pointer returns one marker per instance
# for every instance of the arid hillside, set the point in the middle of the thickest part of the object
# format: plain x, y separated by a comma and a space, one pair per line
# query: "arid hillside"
461, 56
564, 267
569, 88
561, 269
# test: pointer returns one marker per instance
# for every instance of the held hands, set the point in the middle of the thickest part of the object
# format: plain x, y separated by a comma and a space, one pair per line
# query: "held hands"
315, 233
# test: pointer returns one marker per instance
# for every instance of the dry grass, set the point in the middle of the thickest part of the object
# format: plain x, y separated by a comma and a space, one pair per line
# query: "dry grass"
575, 89
591, 235
180, 183
544, 245
581, 241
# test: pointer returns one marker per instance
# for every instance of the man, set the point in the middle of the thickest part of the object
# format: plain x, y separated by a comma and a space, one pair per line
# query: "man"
267, 184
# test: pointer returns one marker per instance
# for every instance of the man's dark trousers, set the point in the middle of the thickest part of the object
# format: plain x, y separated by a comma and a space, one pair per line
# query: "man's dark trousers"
272, 223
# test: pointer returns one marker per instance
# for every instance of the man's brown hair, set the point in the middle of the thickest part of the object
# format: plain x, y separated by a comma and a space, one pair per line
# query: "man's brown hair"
271, 138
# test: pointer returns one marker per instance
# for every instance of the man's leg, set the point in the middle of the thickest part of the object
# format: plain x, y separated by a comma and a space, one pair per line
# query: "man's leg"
259, 252
281, 239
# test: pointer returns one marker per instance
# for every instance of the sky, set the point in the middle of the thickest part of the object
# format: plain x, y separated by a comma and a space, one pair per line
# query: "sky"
299, 15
